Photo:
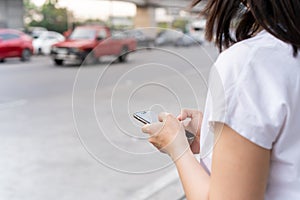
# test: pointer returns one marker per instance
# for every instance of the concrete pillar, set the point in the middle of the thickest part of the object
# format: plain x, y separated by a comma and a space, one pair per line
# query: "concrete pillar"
11, 14
3, 15
145, 18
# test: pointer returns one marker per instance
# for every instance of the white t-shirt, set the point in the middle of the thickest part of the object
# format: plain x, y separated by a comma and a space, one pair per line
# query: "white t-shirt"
255, 89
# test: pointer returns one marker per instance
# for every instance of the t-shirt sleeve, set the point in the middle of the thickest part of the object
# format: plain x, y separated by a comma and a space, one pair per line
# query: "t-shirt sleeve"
243, 95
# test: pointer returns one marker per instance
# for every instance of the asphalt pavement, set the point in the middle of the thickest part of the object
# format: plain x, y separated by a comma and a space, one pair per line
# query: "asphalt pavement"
67, 132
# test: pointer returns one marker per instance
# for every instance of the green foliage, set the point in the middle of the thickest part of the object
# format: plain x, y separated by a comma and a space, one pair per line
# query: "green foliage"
176, 24
29, 5
180, 24
31, 11
49, 16
94, 22
163, 25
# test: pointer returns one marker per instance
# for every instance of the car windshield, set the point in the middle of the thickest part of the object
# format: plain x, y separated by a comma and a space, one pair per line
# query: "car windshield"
83, 34
42, 36
8, 36
3, 36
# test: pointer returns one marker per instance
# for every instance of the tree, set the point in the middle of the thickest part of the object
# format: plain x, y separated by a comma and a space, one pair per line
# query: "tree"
51, 16
32, 12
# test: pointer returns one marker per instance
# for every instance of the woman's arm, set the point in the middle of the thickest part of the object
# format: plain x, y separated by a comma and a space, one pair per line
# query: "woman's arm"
194, 178
239, 170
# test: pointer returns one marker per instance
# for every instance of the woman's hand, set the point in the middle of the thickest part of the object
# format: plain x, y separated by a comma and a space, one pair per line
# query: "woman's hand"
193, 126
167, 135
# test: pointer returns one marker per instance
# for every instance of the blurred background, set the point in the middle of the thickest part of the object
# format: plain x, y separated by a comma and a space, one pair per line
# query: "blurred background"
72, 73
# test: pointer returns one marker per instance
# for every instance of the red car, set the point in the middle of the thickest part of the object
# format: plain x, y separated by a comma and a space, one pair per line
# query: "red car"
89, 43
15, 43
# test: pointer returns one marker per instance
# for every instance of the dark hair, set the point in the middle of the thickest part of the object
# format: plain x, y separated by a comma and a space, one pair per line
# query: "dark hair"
281, 18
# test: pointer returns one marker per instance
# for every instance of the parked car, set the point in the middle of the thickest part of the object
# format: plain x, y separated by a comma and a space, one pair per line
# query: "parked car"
197, 30
15, 43
167, 37
43, 43
141, 38
36, 31
186, 40
89, 43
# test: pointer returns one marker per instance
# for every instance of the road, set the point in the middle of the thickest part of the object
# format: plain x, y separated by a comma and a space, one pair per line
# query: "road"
67, 132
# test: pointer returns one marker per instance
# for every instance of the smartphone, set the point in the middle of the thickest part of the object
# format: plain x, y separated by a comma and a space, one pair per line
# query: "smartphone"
148, 117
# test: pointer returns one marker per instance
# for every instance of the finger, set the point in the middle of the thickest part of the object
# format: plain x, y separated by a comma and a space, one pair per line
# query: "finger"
163, 116
179, 117
146, 128
151, 129
186, 113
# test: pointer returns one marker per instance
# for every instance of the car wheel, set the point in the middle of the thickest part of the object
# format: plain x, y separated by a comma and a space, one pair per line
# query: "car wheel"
150, 45
123, 55
90, 58
58, 62
2, 60
40, 52
26, 55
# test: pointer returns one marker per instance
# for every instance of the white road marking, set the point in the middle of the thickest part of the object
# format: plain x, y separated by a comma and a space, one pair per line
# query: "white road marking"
12, 104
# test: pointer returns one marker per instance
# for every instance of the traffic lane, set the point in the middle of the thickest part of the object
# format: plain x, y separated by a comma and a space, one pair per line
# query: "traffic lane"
41, 152
34, 80
40, 78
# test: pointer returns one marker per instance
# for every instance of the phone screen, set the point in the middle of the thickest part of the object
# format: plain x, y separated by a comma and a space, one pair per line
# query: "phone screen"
146, 117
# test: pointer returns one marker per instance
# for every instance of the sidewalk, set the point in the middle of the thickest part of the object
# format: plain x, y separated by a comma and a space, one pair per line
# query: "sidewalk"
173, 191
166, 187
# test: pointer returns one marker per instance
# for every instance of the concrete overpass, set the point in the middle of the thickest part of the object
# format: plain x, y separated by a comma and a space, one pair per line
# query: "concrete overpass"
145, 16
12, 12
160, 3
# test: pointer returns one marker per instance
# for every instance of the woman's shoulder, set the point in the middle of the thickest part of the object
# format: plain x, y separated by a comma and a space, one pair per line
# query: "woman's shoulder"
261, 53
262, 47
256, 62
248, 49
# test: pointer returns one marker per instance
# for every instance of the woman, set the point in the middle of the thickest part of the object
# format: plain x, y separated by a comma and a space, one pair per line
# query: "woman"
254, 115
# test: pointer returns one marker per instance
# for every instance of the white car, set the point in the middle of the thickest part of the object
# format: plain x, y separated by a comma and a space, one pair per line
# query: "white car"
197, 30
43, 43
